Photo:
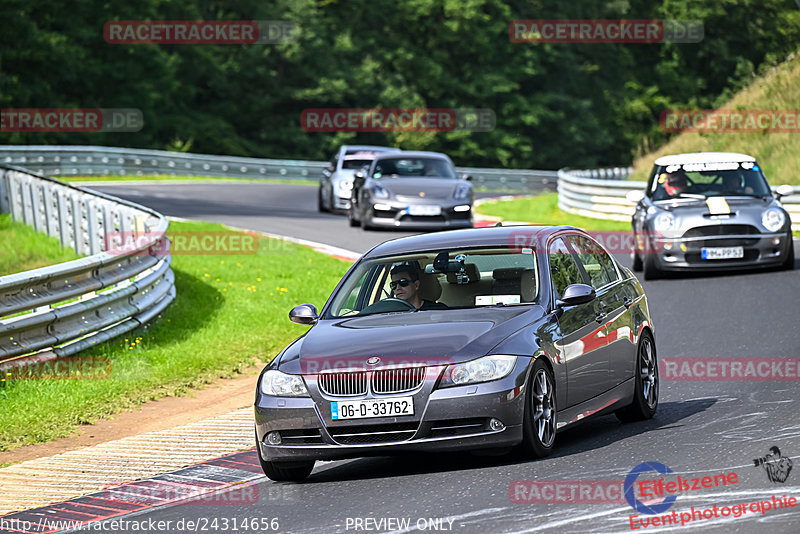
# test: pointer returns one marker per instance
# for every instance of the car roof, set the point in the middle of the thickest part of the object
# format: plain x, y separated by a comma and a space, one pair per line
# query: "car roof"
414, 154
704, 157
371, 148
474, 237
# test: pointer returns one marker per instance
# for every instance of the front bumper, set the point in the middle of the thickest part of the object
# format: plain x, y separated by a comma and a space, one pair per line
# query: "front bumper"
395, 215
685, 253
448, 419
340, 203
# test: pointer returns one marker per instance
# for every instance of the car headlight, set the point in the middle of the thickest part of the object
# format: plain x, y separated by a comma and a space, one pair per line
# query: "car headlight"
378, 191
483, 369
345, 185
773, 219
664, 222
277, 384
462, 192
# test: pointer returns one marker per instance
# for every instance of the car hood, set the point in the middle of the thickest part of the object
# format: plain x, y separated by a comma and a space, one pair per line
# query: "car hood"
744, 210
431, 337
438, 188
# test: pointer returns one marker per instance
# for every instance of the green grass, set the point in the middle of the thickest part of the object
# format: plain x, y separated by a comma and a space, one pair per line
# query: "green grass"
543, 209
777, 153
231, 312
22, 248
180, 178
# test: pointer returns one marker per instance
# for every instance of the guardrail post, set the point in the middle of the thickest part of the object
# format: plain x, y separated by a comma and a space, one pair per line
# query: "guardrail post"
27, 203
63, 227
39, 223
77, 233
91, 216
50, 210
3, 192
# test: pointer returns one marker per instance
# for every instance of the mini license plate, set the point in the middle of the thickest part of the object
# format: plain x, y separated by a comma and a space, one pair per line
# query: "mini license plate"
722, 253
424, 210
372, 408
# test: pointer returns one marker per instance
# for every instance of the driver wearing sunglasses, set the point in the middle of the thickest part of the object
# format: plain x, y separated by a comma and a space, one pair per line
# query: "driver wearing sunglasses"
405, 285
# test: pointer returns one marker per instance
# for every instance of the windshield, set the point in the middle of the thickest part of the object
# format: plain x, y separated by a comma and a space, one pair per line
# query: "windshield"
439, 280
355, 164
433, 167
708, 180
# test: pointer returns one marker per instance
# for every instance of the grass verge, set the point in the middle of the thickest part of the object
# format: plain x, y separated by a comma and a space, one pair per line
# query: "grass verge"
180, 178
543, 209
23, 248
230, 313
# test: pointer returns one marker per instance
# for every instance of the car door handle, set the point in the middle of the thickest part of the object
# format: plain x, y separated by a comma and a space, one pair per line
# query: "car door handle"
627, 302
599, 317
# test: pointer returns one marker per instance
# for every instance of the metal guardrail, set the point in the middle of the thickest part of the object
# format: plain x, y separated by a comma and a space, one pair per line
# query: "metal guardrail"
600, 194
61, 309
111, 161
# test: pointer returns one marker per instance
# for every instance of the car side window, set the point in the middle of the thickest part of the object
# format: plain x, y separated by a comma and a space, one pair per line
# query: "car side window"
563, 269
597, 264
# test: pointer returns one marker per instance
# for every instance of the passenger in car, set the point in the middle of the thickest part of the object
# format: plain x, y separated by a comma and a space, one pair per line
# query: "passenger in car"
405, 285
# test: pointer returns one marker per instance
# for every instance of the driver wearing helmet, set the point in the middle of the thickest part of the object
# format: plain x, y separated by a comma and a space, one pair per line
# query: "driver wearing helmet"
676, 183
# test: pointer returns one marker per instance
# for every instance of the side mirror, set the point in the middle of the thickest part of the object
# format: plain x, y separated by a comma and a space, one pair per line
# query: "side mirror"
359, 175
634, 197
466, 176
576, 294
304, 314
784, 191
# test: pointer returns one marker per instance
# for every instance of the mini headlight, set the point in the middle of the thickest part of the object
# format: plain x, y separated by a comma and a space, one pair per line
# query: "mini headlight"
378, 191
664, 222
277, 384
773, 219
483, 369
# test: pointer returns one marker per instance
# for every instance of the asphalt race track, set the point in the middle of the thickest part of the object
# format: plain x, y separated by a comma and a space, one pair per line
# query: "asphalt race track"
702, 428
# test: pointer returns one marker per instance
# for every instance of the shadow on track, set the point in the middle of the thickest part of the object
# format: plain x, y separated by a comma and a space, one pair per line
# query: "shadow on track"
593, 434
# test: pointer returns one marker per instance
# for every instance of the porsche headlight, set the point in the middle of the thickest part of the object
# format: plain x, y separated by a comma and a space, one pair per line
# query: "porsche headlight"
483, 369
345, 185
462, 192
664, 222
277, 384
378, 191
773, 219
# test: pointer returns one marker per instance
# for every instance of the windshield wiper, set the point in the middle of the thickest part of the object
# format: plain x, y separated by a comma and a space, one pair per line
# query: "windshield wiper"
691, 195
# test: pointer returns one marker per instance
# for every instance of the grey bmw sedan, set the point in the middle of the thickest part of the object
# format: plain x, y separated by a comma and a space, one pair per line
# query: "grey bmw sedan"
487, 338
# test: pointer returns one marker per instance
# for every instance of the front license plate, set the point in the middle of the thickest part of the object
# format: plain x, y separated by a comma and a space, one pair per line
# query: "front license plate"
372, 408
722, 253
424, 210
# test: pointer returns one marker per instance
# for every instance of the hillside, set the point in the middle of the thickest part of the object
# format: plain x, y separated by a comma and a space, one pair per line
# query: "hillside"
778, 153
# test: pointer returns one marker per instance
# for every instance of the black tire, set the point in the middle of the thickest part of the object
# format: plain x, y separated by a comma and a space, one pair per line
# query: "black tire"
788, 263
645, 390
320, 204
351, 217
637, 262
540, 414
285, 471
651, 270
